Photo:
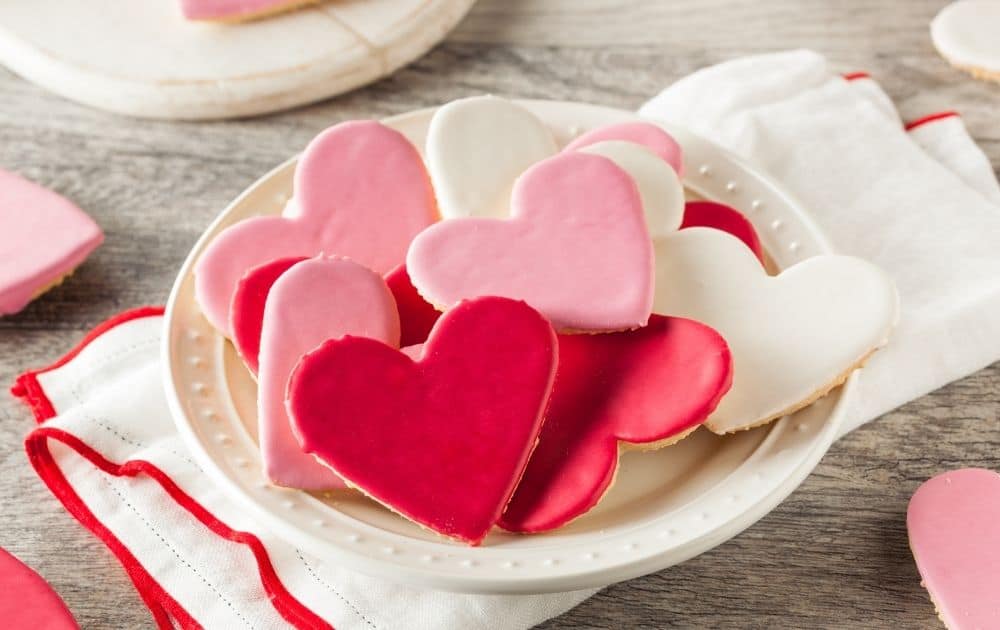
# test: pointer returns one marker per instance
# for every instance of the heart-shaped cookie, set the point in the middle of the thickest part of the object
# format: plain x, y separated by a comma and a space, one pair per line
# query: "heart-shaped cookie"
27, 601
313, 301
659, 187
247, 310
952, 523
716, 215
793, 336
576, 248
648, 387
361, 191
476, 148
416, 316
237, 10
647, 134
43, 238
442, 439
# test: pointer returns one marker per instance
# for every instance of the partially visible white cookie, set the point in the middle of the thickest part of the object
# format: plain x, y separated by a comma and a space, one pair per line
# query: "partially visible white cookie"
793, 336
967, 34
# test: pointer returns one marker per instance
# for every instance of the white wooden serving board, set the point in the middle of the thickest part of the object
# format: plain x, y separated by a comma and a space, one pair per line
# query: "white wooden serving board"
142, 58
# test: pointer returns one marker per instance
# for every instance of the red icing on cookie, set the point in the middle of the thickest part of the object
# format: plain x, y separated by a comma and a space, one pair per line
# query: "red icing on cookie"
641, 386
722, 217
27, 601
247, 311
442, 440
416, 316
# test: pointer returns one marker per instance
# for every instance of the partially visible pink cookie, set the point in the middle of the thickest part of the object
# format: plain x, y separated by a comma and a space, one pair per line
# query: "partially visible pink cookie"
237, 10
314, 301
27, 601
576, 248
361, 191
649, 135
43, 238
247, 311
954, 527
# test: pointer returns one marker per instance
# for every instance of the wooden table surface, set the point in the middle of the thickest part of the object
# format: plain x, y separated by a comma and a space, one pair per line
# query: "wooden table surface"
833, 555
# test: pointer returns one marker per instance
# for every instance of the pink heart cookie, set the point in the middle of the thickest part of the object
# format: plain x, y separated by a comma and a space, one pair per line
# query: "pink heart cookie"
27, 601
955, 538
237, 10
649, 386
43, 238
649, 135
576, 248
361, 191
722, 217
314, 301
441, 438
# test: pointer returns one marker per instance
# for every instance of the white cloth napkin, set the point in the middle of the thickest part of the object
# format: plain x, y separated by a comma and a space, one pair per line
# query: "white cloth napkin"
921, 203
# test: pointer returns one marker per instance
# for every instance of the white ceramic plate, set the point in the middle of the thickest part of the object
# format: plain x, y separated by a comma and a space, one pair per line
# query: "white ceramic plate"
142, 58
665, 507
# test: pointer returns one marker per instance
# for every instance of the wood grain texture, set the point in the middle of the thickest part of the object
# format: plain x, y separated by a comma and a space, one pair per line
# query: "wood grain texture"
834, 555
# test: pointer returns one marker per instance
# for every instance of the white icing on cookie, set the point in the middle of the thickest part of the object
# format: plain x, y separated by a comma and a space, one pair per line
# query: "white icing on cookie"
476, 148
967, 34
659, 187
792, 336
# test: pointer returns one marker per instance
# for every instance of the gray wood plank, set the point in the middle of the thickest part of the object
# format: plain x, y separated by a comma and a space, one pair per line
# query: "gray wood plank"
833, 555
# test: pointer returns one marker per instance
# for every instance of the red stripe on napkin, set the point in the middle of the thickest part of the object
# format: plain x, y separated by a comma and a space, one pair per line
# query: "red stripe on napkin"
923, 120
161, 604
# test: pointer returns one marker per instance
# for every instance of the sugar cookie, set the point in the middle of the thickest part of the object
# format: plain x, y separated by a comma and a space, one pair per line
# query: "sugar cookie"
659, 187
43, 238
716, 215
967, 34
648, 387
442, 439
952, 523
315, 300
361, 191
793, 336
476, 148
27, 601
237, 10
648, 134
576, 248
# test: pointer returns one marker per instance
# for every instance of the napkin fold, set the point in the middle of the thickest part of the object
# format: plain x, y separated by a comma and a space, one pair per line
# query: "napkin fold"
920, 200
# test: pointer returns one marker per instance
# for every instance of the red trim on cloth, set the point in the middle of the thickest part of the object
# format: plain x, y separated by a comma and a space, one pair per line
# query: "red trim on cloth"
923, 120
27, 387
161, 604
854, 76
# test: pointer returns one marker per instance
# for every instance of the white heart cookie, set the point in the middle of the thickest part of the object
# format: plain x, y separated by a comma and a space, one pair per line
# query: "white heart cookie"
476, 148
793, 336
659, 187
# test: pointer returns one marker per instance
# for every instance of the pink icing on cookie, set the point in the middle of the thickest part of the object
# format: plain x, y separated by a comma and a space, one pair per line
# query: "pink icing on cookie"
361, 191
43, 237
576, 248
641, 386
722, 217
416, 316
27, 601
442, 439
247, 311
312, 302
651, 136
954, 535
234, 9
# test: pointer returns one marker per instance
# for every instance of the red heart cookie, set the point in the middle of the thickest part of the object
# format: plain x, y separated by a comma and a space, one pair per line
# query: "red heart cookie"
722, 217
649, 386
27, 601
575, 247
361, 191
952, 521
442, 439
416, 316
